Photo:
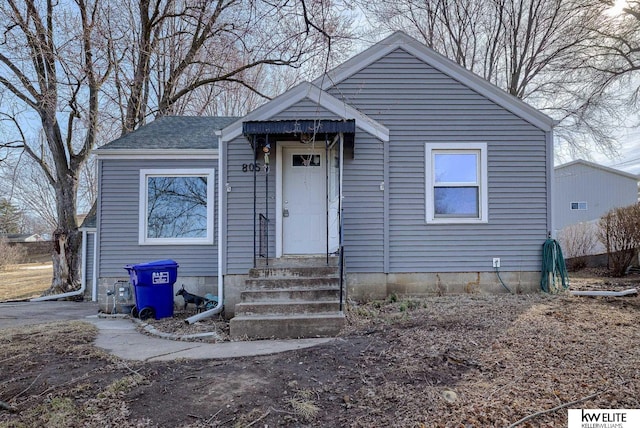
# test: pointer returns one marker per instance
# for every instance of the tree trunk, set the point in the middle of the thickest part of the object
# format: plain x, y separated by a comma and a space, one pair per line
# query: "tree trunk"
67, 239
66, 261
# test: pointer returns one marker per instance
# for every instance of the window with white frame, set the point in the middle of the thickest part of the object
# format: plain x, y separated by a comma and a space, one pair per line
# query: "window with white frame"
456, 182
582, 206
176, 206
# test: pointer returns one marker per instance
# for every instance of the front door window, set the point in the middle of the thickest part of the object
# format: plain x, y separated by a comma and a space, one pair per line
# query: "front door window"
301, 160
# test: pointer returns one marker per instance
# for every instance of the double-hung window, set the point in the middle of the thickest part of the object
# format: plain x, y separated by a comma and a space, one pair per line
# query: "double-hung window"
176, 206
456, 182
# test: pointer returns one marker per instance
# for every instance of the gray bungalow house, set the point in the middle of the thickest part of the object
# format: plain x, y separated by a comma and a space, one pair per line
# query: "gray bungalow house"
397, 172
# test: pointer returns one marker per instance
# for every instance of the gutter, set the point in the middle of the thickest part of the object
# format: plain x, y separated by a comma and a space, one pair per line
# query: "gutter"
218, 308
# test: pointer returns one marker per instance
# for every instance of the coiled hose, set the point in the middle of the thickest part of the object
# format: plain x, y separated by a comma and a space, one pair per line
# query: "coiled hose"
553, 266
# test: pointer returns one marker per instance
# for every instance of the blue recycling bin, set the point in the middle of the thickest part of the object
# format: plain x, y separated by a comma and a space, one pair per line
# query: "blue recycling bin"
153, 285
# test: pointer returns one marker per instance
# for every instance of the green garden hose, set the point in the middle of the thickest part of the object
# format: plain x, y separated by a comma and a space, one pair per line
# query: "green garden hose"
553, 265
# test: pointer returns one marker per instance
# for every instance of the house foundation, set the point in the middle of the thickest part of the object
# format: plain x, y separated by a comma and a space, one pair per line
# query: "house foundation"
360, 287
370, 286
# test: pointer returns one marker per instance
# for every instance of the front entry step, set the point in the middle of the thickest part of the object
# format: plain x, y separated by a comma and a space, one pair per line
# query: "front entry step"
286, 326
287, 307
293, 297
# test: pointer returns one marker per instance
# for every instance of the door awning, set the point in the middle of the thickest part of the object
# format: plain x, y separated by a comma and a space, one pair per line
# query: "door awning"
298, 127
305, 131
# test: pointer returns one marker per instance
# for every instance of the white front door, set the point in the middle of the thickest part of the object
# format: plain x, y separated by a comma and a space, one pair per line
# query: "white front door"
304, 195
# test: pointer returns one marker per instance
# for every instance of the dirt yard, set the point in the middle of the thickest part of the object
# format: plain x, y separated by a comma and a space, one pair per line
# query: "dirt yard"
458, 361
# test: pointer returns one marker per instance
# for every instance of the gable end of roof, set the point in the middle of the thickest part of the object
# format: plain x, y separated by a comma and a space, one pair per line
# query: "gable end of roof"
313, 93
400, 40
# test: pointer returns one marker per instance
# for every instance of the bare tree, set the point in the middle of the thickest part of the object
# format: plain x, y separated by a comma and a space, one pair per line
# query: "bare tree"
616, 53
611, 60
619, 231
30, 189
181, 52
578, 242
529, 48
50, 64
82, 71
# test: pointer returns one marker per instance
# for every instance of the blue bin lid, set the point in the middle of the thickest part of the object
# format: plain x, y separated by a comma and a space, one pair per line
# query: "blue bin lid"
168, 263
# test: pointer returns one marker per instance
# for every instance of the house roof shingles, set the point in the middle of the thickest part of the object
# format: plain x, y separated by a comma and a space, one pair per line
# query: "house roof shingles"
173, 132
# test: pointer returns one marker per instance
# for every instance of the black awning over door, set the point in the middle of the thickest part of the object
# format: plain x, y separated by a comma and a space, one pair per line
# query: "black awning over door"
298, 127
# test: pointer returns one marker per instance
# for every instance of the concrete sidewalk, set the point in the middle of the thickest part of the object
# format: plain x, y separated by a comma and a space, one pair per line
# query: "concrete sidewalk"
119, 336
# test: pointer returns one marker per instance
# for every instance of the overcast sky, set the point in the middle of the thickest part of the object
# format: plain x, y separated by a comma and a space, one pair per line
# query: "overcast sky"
629, 159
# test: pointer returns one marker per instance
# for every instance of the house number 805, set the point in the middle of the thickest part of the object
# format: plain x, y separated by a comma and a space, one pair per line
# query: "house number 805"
250, 167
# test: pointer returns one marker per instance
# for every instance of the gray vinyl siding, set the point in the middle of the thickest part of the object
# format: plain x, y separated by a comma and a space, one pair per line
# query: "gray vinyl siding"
240, 209
239, 202
363, 206
118, 219
420, 104
89, 259
601, 190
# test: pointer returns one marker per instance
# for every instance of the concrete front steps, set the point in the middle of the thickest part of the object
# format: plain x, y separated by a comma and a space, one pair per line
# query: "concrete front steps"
292, 297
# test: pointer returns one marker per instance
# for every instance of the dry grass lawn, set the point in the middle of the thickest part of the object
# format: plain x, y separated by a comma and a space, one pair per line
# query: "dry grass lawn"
25, 281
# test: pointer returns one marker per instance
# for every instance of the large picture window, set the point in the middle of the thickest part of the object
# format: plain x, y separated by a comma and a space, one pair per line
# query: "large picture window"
176, 206
456, 178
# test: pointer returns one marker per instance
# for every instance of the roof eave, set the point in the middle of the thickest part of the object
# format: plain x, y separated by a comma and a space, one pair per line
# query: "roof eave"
156, 153
600, 167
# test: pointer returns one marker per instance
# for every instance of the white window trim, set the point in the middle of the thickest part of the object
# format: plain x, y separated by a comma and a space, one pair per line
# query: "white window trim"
143, 200
430, 181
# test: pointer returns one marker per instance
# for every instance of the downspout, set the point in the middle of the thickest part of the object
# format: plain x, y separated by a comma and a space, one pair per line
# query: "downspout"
63, 295
94, 273
83, 261
551, 186
218, 308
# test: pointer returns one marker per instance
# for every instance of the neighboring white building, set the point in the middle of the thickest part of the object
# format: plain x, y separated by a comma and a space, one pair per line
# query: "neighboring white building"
585, 191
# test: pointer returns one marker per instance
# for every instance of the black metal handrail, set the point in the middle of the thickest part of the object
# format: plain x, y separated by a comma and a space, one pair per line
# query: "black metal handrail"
263, 238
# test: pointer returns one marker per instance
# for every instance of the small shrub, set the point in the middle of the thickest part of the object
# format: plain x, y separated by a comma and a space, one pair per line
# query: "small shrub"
377, 304
620, 233
303, 405
365, 312
578, 241
409, 305
11, 254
